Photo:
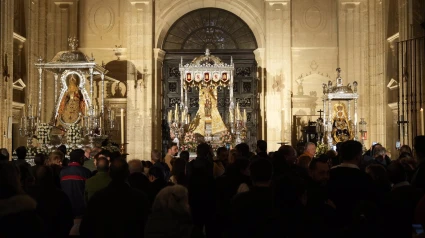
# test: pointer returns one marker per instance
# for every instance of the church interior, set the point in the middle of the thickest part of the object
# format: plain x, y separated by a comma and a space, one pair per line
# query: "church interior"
143, 73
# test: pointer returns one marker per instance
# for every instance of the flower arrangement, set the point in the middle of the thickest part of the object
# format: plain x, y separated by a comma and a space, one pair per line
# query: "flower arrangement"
33, 151
43, 133
226, 137
73, 134
321, 148
190, 142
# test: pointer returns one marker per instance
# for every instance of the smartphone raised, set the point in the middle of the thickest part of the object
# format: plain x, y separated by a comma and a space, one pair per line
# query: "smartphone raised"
418, 229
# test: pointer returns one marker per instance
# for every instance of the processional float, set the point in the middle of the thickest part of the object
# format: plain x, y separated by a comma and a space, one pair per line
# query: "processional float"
206, 73
75, 115
340, 119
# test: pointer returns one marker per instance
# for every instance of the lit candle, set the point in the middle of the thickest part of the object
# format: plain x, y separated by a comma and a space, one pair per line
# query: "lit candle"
231, 115
422, 121
122, 125
100, 122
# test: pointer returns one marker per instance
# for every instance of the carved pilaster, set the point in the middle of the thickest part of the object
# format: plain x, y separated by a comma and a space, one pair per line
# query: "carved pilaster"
278, 82
261, 62
6, 71
158, 55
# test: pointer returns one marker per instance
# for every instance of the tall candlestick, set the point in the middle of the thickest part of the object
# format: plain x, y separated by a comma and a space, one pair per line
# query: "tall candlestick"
422, 121
122, 125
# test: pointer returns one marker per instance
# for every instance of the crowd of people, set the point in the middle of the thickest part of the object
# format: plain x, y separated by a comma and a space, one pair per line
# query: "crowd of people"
222, 193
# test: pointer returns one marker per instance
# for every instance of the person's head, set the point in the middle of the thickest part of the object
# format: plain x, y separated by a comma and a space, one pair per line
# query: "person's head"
184, 155
9, 180
378, 173
420, 147
155, 173
289, 153
379, 152
338, 147
319, 170
62, 148
351, 152
173, 199
135, 166
303, 161
179, 170
39, 159
396, 172
146, 166
155, 156
44, 176
114, 155
241, 166
243, 150
102, 164
203, 150
222, 153
87, 152
21, 152
55, 158
261, 146
261, 172
119, 170
172, 149
4, 154
77, 156
406, 149
310, 149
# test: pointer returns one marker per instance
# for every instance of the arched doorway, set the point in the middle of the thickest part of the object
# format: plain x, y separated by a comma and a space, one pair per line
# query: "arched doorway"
226, 35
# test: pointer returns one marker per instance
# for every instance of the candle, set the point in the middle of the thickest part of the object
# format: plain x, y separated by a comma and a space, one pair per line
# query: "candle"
188, 118
244, 115
122, 125
422, 121
183, 116
100, 122
231, 115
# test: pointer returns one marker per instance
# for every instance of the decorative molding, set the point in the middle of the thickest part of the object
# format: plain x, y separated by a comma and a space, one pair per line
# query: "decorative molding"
394, 37
19, 37
393, 84
158, 54
393, 106
63, 3
19, 85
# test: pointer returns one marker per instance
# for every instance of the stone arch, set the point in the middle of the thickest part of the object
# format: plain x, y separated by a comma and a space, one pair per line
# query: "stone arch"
240, 8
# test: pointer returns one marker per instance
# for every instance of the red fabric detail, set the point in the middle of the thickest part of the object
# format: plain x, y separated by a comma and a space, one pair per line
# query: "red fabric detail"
73, 177
74, 164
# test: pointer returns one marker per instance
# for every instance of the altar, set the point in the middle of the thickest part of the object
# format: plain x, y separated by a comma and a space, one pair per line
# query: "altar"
207, 73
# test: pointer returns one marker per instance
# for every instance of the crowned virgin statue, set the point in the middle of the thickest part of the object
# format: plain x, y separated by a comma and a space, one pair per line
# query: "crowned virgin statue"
207, 112
72, 105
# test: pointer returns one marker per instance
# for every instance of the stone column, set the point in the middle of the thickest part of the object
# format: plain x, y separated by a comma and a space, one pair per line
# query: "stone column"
140, 96
6, 71
278, 83
158, 55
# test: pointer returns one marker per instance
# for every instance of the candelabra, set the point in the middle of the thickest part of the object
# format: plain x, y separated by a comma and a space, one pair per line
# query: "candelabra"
28, 125
238, 124
92, 124
320, 129
110, 122
176, 122
363, 131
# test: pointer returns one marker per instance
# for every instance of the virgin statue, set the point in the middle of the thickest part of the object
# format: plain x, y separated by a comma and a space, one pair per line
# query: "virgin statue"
341, 126
72, 104
207, 112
